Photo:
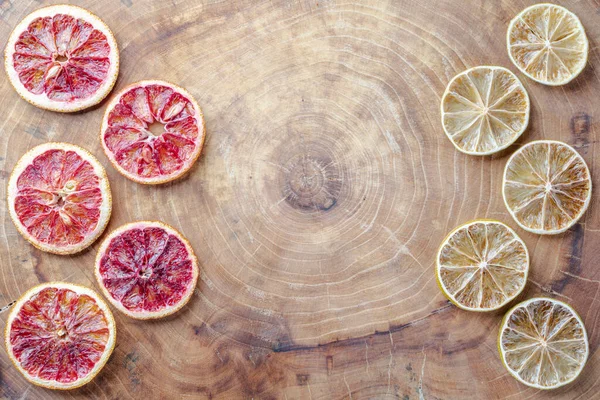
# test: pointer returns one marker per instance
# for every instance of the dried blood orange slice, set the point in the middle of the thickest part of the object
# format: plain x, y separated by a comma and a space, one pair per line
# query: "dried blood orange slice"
62, 58
147, 269
153, 132
59, 198
60, 335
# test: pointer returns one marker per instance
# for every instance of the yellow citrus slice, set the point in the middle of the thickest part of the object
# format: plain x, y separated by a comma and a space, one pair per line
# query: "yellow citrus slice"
482, 265
548, 44
543, 343
546, 187
62, 58
484, 110
60, 335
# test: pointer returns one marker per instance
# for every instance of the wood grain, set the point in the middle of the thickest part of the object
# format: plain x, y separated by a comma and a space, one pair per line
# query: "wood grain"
325, 187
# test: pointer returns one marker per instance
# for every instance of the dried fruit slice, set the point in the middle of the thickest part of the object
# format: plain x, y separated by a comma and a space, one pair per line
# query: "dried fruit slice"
482, 265
147, 269
546, 187
60, 335
548, 44
543, 343
62, 58
153, 132
59, 198
484, 110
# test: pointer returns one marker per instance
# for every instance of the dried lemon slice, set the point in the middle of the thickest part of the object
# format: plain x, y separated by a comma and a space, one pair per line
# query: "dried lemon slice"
546, 186
543, 343
548, 44
484, 110
482, 265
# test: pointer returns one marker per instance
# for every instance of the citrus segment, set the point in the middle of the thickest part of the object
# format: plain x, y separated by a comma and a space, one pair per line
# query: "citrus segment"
484, 110
60, 335
59, 198
547, 186
548, 44
153, 132
482, 265
147, 269
62, 58
543, 343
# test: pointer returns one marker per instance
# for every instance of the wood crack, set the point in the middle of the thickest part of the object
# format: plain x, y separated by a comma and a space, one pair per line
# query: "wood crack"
284, 348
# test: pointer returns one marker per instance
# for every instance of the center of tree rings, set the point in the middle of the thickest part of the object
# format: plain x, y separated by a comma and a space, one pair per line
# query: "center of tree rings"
311, 183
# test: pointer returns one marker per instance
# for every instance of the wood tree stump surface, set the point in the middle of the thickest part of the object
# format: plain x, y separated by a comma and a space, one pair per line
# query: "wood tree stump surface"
324, 189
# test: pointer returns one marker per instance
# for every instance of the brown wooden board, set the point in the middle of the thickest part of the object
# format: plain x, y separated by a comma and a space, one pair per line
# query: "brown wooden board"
325, 186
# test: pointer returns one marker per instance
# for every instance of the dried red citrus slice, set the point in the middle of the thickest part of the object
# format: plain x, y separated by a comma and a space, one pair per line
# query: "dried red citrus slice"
484, 110
60, 335
59, 198
62, 58
153, 132
147, 269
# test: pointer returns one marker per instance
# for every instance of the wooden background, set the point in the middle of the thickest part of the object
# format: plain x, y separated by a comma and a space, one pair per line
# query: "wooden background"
325, 187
